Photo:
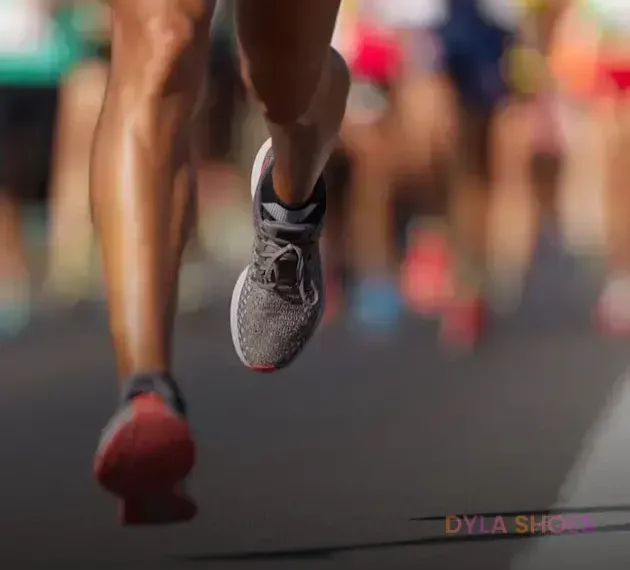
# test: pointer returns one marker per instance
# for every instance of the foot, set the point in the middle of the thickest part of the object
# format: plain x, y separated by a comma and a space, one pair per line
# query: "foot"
463, 324
146, 451
15, 308
278, 300
613, 309
427, 273
377, 305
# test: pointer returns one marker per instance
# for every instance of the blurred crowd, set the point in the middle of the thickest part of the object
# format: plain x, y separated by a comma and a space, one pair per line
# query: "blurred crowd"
472, 126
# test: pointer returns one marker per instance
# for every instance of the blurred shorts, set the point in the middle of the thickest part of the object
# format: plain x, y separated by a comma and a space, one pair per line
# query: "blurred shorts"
27, 130
472, 50
467, 45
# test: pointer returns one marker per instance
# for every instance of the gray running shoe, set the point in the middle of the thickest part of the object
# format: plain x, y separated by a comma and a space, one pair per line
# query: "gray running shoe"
278, 299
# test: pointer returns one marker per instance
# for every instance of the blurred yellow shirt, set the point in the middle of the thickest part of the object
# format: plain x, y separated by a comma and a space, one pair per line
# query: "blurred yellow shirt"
533, 5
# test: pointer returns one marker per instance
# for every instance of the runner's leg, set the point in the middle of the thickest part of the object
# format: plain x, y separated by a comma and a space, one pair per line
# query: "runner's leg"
142, 203
302, 85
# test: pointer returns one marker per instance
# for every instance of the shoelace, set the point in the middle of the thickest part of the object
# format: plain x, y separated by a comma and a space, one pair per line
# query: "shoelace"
270, 272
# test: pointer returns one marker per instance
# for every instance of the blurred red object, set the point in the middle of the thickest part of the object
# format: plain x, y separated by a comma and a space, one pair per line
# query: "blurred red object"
463, 324
378, 56
427, 279
334, 295
612, 317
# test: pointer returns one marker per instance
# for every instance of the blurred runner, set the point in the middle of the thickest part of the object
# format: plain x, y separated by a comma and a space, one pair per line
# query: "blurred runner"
497, 76
142, 199
398, 119
525, 144
613, 83
473, 42
37, 46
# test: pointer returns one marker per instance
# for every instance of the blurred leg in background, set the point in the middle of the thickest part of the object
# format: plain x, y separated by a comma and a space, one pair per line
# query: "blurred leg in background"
474, 47
14, 274
224, 203
392, 143
371, 237
71, 239
525, 158
614, 306
71, 249
574, 66
425, 106
514, 209
27, 140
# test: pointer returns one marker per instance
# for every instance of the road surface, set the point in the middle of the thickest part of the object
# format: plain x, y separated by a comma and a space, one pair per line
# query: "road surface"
324, 465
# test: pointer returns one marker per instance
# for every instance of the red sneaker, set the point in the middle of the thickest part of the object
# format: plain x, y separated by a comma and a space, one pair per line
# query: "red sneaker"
427, 273
145, 453
463, 324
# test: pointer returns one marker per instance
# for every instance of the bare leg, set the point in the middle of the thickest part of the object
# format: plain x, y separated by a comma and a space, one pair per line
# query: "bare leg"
581, 185
14, 278
614, 308
469, 204
141, 176
301, 83
142, 190
618, 197
461, 324
371, 231
302, 86
514, 210
14, 272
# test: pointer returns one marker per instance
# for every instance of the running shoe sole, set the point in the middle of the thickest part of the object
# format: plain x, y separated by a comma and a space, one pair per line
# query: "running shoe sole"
144, 459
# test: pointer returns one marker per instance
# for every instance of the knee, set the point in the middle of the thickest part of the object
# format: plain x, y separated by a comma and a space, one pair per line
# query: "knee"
159, 46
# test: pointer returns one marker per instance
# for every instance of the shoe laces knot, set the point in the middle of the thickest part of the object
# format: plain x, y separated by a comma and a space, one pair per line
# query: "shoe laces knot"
271, 276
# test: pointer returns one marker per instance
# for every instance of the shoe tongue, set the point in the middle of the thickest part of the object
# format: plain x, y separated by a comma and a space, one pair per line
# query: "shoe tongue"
290, 233
278, 213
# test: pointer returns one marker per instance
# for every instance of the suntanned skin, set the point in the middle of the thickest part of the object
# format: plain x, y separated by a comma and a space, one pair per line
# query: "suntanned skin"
515, 210
142, 177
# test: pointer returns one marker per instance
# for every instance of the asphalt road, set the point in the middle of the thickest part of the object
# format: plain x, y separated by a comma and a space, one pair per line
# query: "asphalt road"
324, 465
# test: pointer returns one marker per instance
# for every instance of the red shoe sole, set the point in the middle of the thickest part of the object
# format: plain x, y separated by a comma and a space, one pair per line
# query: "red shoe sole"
145, 461
157, 509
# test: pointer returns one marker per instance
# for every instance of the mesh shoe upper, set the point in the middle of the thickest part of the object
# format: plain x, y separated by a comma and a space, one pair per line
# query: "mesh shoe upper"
280, 301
